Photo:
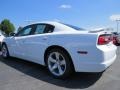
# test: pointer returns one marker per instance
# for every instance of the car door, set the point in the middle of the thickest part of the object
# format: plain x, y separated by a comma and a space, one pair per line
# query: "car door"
19, 41
37, 43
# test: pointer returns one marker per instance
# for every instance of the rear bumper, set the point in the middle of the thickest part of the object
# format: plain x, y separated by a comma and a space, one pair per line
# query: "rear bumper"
95, 67
97, 60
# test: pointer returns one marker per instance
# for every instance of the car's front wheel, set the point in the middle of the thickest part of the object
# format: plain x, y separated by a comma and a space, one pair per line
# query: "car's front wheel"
59, 63
4, 50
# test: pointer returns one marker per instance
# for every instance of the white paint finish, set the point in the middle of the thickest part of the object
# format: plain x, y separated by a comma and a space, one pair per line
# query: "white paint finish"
33, 47
1, 36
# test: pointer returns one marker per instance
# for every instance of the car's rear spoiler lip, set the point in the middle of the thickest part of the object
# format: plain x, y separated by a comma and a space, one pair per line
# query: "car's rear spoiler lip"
95, 31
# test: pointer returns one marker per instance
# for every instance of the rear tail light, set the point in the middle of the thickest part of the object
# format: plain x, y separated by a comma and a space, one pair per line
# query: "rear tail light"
104, 39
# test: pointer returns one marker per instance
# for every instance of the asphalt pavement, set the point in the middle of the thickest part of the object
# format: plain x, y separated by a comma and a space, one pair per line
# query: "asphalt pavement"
17, 74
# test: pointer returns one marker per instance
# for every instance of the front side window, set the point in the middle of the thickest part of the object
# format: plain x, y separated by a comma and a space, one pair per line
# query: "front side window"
25, 31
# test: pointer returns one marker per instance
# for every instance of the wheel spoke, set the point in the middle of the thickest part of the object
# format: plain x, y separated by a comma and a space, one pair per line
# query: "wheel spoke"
4, 52
60, 70
54, 67
52, 60
62, 62
57, 55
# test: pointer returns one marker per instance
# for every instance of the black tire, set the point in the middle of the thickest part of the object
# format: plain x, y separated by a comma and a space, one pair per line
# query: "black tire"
4, 46
69, 66
118, 44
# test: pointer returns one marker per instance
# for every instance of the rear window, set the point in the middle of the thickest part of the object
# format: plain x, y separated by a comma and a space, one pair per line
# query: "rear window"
74, 27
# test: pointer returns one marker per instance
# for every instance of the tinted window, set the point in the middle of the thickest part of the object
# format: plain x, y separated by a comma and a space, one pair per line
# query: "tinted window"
43, 28
74, 27
25, 31
49, 29
40, 29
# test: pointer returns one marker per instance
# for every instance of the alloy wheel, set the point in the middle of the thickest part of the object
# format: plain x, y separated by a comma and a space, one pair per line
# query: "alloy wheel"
4, 51
56, 63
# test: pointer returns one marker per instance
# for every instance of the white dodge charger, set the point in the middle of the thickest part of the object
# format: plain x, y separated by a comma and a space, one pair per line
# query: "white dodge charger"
63, 48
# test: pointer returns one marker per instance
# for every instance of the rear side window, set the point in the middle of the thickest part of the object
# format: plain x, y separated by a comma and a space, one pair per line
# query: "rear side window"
40, 29
43, 28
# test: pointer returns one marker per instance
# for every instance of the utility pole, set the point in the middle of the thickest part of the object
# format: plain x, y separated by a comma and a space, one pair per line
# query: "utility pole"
117, 22
116, 18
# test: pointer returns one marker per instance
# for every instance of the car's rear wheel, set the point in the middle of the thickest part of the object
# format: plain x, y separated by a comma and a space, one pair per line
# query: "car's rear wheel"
4, 50
59, 63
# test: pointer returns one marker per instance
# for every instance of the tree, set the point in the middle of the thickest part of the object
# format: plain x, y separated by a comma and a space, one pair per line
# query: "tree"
7, 27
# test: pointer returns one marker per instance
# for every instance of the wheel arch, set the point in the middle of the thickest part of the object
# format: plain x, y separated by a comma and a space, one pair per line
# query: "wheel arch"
59, 47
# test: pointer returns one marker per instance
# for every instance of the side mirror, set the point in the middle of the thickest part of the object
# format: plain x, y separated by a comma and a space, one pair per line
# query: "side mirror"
12, 34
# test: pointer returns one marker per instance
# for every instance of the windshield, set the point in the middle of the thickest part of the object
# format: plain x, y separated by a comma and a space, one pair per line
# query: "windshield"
74, 27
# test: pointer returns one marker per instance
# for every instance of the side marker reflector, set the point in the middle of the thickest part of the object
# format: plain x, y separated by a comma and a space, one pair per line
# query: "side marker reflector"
82, 52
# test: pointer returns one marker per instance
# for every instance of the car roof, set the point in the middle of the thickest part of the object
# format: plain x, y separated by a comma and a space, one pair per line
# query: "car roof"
54, 23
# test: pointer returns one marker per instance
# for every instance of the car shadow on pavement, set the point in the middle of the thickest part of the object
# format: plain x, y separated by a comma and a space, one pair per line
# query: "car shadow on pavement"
77, 81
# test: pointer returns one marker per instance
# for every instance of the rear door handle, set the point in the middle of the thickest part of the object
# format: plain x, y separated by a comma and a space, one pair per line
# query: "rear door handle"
45, 38
23, 41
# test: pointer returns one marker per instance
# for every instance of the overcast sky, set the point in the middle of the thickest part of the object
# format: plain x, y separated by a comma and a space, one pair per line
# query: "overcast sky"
83, 13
